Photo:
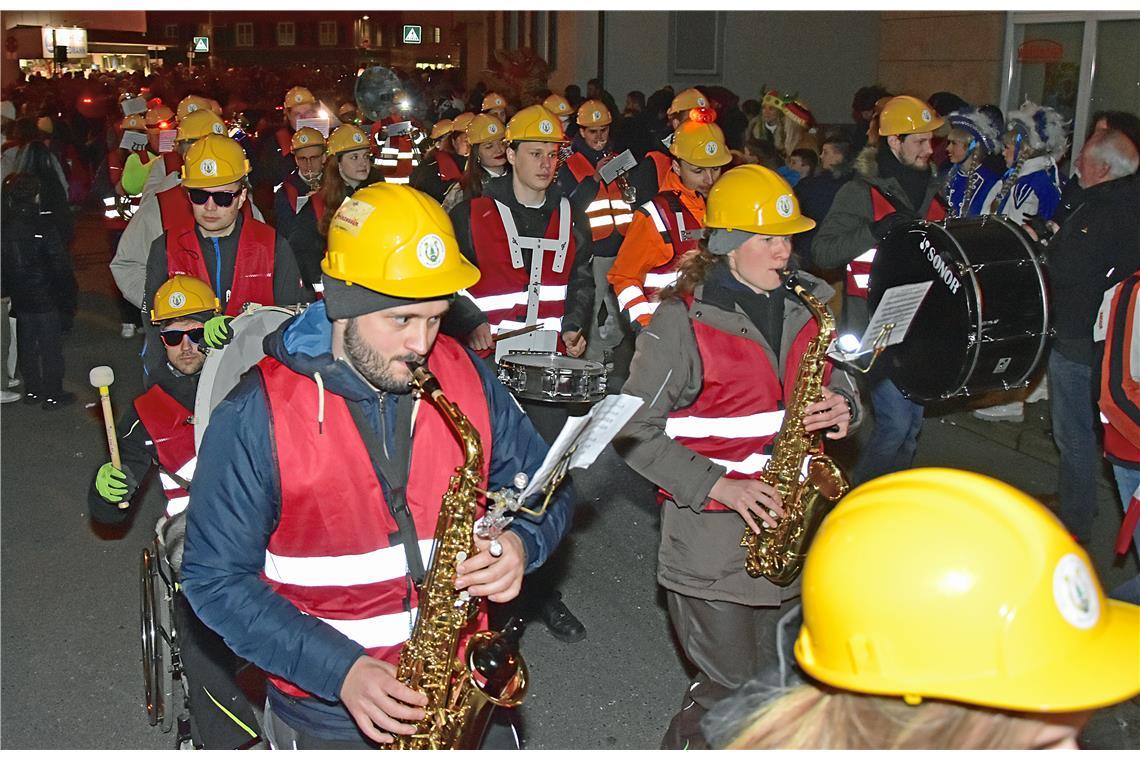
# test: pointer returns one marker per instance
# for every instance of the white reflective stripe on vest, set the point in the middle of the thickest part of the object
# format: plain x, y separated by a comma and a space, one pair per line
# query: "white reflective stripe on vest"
651, 208
619, 205
110, 213
866, 257
545, 323
658, 280
758, 425
1104, 420
405, 154
755, 463
397, 180
598, 205
601, 220
630, 294
345, 570
862, 280
177, 505
109, 202
645, 308
507, 300
388, 162
620, 219
380, 631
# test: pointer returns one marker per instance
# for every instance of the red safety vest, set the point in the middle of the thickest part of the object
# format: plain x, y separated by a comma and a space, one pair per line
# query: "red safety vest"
447, 167
663, 162
859, 269
608, 210
171, 428
737, 416
394, 156
253, 270
1119, 388
502, 290
284, 137
332, 553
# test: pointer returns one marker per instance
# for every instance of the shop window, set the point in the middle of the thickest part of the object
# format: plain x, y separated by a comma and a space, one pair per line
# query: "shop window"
286, 34
243, 35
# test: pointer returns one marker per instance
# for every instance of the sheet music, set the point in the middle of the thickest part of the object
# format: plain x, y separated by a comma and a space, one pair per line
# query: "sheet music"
321, 125
133, 140
898, 307
619, 164
166, 140
132, 106
583, 438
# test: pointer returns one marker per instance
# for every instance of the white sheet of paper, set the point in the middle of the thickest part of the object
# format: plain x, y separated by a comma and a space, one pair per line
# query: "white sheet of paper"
166, 140
399, 128
133, 140
619, 164
898, 307
321, 125
587, 435
132, 106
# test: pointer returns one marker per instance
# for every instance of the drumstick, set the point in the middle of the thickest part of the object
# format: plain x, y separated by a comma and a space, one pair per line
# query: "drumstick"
102, 378
514, 333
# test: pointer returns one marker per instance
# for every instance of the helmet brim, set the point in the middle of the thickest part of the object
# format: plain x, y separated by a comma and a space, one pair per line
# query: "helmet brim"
779, 229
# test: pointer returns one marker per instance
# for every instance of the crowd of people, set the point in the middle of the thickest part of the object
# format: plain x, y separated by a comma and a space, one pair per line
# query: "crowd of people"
473, 226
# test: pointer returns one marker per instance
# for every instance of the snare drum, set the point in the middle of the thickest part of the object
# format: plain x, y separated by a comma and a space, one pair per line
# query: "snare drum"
984, 325
552, 377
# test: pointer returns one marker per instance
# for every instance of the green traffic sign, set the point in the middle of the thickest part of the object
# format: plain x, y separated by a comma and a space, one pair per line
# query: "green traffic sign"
201, 44
413, 34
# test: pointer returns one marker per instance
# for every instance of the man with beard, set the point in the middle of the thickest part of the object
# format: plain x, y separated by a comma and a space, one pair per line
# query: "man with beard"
307, 546
893, 185
290, 196
157, 431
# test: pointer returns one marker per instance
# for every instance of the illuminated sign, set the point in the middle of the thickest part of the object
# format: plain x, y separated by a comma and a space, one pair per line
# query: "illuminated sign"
73, 37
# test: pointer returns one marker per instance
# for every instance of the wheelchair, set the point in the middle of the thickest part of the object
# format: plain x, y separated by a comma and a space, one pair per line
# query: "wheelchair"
166, 694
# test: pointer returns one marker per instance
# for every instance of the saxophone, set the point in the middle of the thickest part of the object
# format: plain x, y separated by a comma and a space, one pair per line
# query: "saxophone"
461, 693
778, 554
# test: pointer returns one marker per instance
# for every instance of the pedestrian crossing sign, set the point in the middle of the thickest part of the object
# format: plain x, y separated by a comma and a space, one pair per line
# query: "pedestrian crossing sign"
201, 44
412, 34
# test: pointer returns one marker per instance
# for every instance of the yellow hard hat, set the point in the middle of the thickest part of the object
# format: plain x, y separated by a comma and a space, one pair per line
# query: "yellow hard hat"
192, 103
460, 122
347, 137
298, 96
535, 124
198, 124
594, 113
213, 161
558, 105
756, 199
135, 122
700, 143
396, 240
441, 128
905, 115
160, 117
493, 100
485, 128
687, 99
181, 296
307, 137
943, 584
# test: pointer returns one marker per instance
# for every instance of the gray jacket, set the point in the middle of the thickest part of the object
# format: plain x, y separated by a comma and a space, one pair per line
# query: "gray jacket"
700, 553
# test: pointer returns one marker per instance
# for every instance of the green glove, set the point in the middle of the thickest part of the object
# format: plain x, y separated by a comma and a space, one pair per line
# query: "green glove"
114, 485
218, 331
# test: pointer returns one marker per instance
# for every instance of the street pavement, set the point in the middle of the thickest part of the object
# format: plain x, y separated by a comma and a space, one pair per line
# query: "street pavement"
69, 643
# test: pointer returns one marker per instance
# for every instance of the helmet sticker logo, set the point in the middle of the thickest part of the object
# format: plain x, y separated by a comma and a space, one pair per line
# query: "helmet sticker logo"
191, 107
711, 148
177, 299
217, 128
925, 115
597, 115
302, 139
785, 206
701, 102
351, 216
492, 129
431, 251
297, 98
357, 137
208, 167
1074, 592
545, 127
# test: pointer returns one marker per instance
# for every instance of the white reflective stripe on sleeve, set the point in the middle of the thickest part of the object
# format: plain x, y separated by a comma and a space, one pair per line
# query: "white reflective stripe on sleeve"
862, 280
657, 280
346, 570
651, 209
753, 464
643, 309
507, 300
750, 426
628, 295
546, 323
379, 631
623, 218
866, 257
397, 180
598, 205
278, 187
318, 287
177, 505
1104, 420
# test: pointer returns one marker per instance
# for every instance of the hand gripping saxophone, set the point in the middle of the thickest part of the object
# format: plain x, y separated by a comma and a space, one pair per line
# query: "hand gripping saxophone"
778, 554
461, 693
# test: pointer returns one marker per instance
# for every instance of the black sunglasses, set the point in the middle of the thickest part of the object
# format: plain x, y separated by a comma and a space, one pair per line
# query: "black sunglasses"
222, 198
174, 337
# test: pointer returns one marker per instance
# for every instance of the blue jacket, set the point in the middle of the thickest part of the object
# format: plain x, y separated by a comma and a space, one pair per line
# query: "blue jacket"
235, 506
958, 185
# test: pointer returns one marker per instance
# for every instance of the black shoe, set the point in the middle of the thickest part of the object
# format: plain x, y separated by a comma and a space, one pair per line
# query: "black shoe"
561, 622
32, 398
60, 399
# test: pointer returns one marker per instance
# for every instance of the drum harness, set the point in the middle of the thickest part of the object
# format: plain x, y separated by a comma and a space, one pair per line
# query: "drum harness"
538, 246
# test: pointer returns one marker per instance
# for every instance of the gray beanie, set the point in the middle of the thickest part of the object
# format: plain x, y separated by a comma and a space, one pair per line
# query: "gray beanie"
723, 242
344, 301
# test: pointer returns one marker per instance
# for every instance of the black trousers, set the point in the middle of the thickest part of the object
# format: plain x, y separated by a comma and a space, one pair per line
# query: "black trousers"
220, 713
39, 346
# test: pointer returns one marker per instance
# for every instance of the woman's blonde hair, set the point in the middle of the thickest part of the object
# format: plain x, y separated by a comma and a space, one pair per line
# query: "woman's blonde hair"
691, 271
821, 717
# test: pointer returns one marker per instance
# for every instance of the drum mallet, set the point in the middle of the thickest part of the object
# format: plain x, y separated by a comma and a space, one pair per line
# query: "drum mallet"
102, 378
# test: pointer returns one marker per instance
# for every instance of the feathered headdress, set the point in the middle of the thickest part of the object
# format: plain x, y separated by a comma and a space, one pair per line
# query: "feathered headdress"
1042, 129
979, 126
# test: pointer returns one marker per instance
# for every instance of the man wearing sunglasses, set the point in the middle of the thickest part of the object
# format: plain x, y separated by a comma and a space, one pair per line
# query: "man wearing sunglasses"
157, 430
245, 261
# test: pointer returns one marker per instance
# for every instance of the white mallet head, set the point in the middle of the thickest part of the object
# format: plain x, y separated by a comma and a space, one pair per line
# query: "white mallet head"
101, 377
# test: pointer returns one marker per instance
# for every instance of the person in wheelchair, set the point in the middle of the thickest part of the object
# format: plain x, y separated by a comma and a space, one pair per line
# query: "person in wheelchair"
160, 433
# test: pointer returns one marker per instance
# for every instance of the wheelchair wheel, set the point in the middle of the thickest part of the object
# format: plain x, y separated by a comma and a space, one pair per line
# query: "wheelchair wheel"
155, 629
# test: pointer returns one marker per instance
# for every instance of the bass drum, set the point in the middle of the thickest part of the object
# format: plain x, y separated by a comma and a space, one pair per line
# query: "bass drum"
985, 322
225, 366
